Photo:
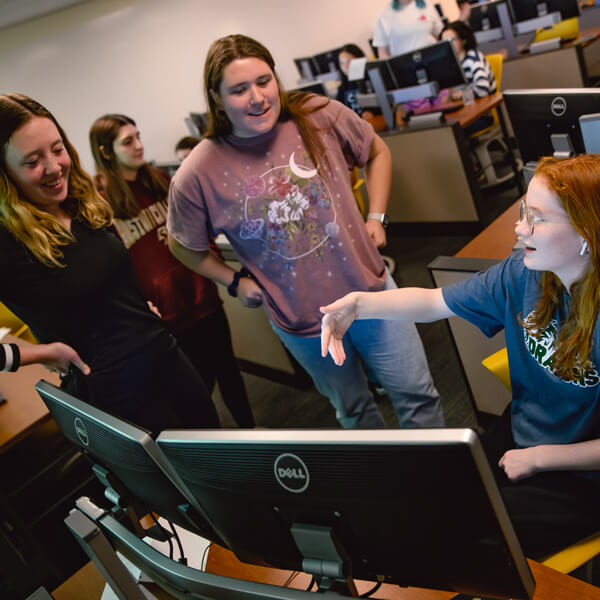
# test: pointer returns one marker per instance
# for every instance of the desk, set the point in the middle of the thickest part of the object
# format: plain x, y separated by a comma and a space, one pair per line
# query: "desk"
24, 409
550, 584
432, 177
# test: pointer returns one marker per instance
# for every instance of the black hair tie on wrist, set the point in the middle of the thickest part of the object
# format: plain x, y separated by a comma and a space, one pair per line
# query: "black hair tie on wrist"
233, 286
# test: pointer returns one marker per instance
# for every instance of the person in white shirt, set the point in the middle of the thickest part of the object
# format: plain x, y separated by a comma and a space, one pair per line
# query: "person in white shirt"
406, 25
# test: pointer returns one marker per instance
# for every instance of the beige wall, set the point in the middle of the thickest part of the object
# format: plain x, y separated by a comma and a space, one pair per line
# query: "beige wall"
144, 57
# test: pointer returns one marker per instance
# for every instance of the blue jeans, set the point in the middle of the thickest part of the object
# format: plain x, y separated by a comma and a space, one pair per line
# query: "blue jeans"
392, 353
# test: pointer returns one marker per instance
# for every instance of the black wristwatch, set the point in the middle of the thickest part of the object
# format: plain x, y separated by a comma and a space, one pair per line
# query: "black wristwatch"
233, 286
381, 217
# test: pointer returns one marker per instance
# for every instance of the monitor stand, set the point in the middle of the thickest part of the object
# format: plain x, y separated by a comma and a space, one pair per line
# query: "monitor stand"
324, 558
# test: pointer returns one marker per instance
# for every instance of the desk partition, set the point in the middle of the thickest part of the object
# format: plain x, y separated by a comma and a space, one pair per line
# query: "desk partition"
431, 181
489, 395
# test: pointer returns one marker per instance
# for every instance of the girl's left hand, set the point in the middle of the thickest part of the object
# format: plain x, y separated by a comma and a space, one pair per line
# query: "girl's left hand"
376, 232
521, 463
153, 308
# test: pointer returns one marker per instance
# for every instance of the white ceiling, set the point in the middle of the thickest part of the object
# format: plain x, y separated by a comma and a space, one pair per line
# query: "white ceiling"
18, 11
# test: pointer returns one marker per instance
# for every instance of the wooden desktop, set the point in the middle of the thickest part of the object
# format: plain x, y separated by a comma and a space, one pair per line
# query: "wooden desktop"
24, 410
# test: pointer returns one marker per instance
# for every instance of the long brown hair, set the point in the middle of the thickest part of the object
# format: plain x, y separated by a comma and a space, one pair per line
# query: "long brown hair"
42, 233
115, 189
576, 182
293, 104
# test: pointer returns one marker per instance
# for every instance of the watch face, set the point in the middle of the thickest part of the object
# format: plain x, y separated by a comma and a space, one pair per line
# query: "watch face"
384, 220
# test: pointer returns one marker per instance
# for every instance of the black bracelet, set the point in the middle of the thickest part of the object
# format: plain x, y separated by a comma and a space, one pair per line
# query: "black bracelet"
233, 286
10, 357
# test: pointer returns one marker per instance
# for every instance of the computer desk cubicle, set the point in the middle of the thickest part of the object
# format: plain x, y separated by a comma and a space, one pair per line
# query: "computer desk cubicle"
433, 180
576, 64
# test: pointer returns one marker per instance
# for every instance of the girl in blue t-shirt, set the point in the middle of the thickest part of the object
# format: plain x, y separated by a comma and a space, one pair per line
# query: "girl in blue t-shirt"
546, 448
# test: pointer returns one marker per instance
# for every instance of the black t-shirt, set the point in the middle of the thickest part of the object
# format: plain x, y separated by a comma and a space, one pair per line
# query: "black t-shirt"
94, 304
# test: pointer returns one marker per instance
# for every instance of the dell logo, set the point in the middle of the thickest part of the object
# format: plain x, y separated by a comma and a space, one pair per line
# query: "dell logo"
81, 432
558, 106
291, 473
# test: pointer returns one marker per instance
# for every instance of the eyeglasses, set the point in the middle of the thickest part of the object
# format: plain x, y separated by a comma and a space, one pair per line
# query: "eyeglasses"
530, 219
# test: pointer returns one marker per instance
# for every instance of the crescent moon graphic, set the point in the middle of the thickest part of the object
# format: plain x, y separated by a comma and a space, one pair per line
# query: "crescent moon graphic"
301, 171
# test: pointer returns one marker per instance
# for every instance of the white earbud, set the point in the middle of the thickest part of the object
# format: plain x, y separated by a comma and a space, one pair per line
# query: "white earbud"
584, 248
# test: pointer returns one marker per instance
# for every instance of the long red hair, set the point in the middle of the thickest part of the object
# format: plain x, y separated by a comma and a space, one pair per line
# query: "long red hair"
576, 182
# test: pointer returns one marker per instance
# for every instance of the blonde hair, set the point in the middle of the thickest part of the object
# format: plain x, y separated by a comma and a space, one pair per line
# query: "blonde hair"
576, 182
42, 233
293, 104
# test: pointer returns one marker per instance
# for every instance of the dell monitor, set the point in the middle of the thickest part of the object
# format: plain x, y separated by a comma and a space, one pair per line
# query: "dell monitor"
200, 122
327, 62
435, 63
314, 87
485, 21
407, 507
128, 453
307, 68
546, 121
381, 65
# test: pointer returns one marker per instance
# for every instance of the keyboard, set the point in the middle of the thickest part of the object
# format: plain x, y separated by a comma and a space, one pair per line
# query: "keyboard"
448, 107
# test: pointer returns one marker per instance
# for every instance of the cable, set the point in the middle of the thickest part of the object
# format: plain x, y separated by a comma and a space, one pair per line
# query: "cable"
311, 584
371, 591
182, 558
166, 532
204, 555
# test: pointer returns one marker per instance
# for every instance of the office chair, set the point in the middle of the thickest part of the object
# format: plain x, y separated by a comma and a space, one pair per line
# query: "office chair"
580, 553
16, 326
483, 139
565, 30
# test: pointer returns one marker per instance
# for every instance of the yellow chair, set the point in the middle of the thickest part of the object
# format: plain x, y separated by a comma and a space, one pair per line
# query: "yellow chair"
579, 553
357, 182
566, 30
483, 139
16, 326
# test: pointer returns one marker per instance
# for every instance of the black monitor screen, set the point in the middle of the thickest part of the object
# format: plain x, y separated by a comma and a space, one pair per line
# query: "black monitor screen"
484, 16
523, 10
314, 87
537, 114
411, 507
382, 66
327, 62
306, 67
127, 452
437, 62
200, 120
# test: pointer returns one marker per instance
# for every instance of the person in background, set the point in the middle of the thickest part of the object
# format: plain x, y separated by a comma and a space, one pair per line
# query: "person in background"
188, 303
272, 175
406, 25
346, 93
475, 66
545, 449
72, 280
184, 146
56, 357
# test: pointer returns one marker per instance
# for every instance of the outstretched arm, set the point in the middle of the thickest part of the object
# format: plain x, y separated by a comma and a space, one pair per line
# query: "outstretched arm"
56, 357
419, 305
525, 462
207, 264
